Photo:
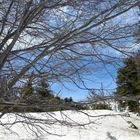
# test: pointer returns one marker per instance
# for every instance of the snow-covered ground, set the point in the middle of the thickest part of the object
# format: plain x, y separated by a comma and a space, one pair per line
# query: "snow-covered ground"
108, 125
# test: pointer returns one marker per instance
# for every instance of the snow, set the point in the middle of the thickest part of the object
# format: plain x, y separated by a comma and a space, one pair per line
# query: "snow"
109, 125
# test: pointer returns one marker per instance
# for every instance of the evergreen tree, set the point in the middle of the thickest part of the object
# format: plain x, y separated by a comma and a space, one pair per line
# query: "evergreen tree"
28, 89
128, 81
43, 89
69, 100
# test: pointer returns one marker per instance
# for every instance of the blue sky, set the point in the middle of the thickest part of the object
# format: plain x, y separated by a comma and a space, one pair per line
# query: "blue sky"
103, 77
107, 76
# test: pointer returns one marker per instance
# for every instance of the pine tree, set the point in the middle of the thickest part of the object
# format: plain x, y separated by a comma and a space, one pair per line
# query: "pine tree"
43, 89
28, 89
128, 81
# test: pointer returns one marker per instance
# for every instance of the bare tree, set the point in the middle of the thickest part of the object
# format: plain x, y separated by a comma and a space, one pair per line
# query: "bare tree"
61, 40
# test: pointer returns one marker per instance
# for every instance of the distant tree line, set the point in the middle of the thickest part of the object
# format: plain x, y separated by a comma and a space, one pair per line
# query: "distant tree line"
38, 98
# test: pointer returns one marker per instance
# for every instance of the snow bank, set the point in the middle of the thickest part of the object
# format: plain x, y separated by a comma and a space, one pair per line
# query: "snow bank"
99, 125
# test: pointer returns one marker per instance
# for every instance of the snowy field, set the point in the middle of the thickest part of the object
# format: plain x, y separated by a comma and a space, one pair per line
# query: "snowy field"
108, 125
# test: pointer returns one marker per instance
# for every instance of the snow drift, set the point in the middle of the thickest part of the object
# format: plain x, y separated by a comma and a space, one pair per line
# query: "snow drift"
71, 125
